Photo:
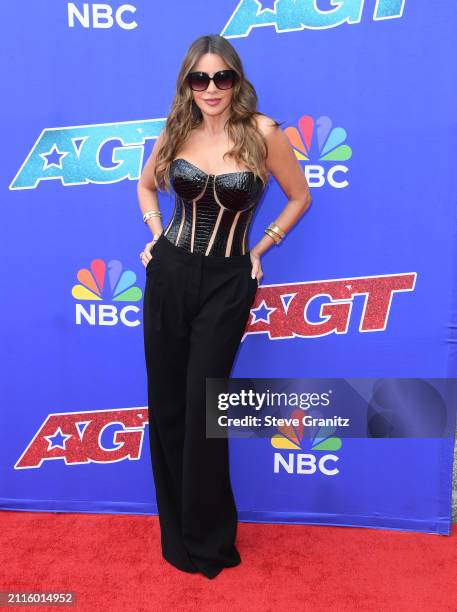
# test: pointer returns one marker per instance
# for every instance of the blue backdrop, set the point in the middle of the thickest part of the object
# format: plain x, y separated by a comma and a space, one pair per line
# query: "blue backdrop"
364, 285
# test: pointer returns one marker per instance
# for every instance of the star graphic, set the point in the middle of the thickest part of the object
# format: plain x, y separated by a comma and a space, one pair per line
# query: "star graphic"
53, 154
262, 313
57, 440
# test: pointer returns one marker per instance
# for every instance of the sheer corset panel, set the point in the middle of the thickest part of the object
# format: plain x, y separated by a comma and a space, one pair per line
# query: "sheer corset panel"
212, 212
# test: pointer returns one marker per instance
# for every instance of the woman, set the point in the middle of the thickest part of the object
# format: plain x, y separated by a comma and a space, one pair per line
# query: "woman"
216, 152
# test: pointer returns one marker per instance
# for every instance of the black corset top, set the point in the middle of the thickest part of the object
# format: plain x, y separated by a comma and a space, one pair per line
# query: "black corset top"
212, 212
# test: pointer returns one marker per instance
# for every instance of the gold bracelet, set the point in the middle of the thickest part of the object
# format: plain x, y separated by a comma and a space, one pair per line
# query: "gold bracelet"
276, 237
151, 213
277, 229
271, 232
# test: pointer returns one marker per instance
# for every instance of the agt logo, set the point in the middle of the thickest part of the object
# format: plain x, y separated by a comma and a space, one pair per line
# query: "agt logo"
317, 308
77, 155
101, 16
318, 441
77, 438
106, 282
296, 15
327, 144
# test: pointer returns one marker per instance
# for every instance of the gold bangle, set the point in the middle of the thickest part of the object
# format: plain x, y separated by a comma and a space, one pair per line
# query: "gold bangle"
277, 229
151, 213
273, 232
276, 238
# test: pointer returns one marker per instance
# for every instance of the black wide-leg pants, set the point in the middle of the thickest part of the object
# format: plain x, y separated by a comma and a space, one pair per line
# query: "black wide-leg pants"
195, 311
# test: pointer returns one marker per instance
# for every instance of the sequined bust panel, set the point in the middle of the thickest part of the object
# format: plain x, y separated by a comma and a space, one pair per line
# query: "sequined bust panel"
212, 212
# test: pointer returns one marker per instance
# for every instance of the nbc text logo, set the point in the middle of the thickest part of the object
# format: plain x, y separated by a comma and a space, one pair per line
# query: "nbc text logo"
293, 442
319, 140
106, 282
100, 16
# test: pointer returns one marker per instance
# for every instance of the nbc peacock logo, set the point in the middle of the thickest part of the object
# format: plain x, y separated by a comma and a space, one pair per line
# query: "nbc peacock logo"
318, 140
106, 282
306, 450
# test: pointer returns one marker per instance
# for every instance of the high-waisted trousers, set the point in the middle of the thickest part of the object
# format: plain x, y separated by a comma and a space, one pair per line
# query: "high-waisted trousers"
195, 312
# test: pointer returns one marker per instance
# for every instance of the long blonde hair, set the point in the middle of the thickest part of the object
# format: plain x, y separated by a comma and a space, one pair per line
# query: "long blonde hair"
249, 147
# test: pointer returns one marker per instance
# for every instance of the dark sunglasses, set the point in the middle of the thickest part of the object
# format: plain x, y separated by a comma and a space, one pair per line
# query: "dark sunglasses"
224, 79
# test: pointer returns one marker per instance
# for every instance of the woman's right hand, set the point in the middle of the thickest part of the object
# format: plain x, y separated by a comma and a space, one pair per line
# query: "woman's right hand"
145, 255
256, 271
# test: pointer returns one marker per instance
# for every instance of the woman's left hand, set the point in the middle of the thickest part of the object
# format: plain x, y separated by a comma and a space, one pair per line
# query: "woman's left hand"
256, 271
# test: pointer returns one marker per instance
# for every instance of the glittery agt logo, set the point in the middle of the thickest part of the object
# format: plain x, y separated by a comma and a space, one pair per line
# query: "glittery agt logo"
72, 154
294, 15
80, 437
283, 311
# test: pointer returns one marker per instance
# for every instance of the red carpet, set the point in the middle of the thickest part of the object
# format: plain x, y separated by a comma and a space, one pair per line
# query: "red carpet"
113, 563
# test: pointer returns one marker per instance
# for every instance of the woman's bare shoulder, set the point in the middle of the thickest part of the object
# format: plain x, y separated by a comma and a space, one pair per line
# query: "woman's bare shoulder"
265, 124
